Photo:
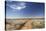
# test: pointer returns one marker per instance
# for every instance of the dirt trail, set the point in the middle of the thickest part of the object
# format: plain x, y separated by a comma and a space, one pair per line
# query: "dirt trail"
27, 25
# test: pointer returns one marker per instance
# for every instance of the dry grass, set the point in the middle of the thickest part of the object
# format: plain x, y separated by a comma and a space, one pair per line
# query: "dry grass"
21, 24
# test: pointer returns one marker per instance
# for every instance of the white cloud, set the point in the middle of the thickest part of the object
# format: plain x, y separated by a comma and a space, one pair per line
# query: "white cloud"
18, 6
21, 17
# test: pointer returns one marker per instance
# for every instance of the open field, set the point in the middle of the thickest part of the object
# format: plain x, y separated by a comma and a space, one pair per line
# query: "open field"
25, 23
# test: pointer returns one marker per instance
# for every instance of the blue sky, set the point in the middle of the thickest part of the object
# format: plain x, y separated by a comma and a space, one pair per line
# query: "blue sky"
17, 9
